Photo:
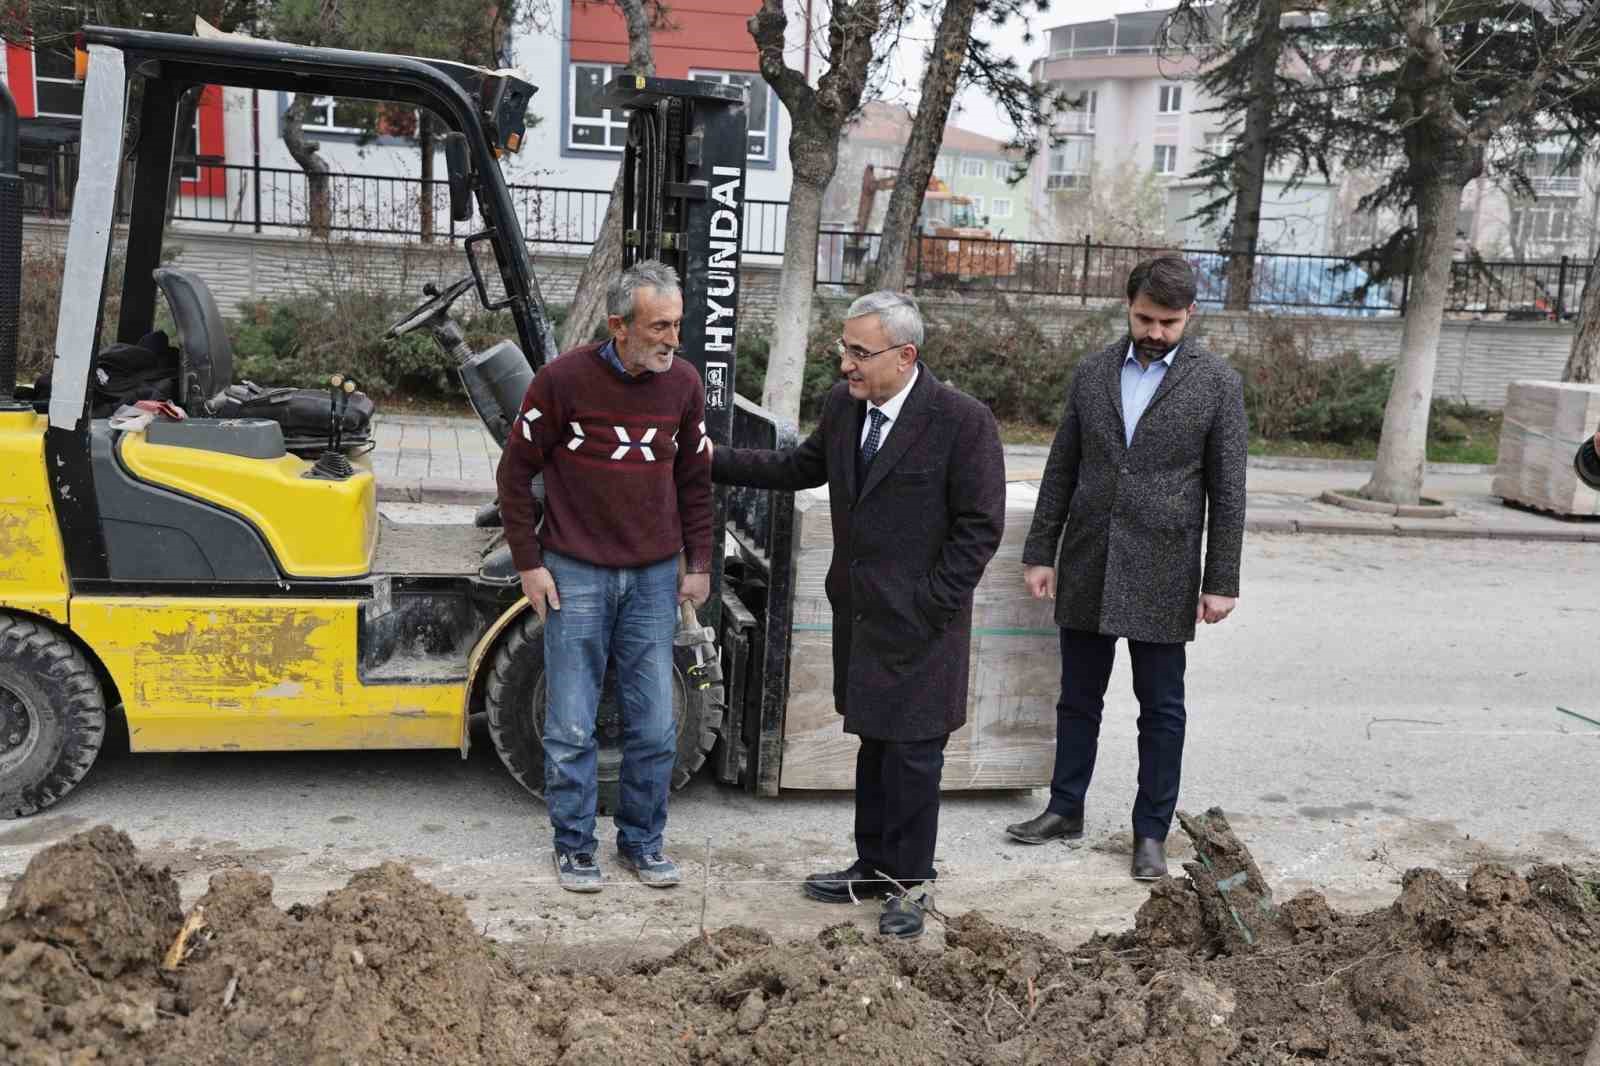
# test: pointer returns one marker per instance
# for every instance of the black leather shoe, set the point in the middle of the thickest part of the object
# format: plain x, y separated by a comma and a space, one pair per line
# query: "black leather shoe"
836, 887
1047, 827
902, 915
1149, 859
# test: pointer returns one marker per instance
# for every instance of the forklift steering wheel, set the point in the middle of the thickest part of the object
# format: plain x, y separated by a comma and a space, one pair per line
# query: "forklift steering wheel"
437, 305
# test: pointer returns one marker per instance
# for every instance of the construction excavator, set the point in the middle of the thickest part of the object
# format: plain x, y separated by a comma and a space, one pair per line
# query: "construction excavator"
950, 246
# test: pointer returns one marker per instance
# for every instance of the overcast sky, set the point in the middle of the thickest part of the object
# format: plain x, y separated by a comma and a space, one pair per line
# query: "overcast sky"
978, 113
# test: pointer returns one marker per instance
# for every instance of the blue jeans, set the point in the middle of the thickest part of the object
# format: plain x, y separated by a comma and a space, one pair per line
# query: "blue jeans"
628, 616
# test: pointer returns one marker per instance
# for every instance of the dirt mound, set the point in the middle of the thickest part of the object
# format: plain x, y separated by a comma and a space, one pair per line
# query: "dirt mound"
1502, 969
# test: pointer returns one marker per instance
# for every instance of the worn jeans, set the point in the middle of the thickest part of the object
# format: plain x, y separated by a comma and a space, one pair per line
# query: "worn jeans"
628, 616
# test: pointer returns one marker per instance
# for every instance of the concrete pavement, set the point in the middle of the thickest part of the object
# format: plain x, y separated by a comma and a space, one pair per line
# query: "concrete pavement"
447, 460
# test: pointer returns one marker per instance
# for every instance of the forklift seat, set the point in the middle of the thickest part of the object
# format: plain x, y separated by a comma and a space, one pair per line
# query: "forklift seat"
205, 366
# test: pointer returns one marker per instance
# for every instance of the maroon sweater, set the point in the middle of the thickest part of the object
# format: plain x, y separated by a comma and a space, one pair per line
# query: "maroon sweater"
627, 468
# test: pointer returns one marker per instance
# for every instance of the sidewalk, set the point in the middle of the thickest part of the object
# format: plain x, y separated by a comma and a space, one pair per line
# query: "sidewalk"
434, 459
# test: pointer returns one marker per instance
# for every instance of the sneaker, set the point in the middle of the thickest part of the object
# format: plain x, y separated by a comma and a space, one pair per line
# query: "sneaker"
577, 871
652, 868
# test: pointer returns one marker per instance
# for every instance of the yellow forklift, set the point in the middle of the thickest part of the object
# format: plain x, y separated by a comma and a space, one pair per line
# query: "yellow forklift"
225, 582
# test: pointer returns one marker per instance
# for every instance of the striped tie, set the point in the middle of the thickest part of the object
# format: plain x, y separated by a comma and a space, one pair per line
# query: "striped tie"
869, 447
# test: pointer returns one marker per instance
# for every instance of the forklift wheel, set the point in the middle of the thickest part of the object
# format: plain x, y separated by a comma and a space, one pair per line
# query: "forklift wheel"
52, 716
514, 696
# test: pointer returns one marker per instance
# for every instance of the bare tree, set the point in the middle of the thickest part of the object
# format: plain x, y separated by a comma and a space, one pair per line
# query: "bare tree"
588, 308
1427, 95
1583, 364
961, 56
817, 118
939, 83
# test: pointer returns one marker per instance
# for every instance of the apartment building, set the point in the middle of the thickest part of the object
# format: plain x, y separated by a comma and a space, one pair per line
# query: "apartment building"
1142, 120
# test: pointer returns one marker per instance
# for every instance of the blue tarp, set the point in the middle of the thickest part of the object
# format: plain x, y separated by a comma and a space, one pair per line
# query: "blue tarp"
1298, 284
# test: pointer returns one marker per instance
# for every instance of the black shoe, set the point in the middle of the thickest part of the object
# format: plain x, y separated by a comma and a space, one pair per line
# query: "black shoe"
1149, 859
902, 915
836, 887
1047, 827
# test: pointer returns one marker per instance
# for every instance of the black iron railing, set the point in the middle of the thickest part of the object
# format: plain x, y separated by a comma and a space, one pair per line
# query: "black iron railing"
277, 199
261, 199
1089, 271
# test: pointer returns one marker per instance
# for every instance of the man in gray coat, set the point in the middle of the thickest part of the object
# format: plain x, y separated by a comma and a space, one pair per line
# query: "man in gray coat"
1150, 455
917, 488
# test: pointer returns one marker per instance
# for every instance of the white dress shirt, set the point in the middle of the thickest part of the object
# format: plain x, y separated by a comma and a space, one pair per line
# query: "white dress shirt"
891, 411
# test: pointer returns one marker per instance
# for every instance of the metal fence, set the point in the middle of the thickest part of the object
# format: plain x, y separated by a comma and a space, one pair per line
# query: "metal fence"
263, 199
1087, 271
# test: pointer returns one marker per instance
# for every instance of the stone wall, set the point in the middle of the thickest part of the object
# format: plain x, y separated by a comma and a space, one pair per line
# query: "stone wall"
1477, 359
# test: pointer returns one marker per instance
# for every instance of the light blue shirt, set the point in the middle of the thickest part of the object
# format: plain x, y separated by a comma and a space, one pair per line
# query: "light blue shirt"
1139, 384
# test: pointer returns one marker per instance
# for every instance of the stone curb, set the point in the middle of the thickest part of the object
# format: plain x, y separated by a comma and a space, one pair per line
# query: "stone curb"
474, 493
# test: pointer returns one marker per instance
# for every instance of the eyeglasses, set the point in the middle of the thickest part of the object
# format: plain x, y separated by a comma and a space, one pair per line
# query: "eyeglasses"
856, 354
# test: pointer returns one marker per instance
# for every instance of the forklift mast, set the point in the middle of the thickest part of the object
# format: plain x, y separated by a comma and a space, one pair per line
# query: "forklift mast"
683, 192
683, 196
10, 251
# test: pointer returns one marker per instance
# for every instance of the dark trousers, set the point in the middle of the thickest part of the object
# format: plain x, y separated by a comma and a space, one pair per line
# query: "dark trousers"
1086, 660
897, 806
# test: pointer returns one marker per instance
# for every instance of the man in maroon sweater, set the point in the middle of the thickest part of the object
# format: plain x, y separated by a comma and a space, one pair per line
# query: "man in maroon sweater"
618, 430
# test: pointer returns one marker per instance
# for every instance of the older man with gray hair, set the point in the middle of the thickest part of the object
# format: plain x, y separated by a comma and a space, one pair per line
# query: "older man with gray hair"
916, 480
618, 431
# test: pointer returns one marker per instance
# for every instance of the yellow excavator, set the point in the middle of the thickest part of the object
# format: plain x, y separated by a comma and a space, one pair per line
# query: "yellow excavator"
950, 246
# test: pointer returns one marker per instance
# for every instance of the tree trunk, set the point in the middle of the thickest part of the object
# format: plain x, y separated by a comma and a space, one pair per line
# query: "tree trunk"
1403, 447
319, 211
588, 308
1583, 365
1250, 164
939, 85
425, 199
791, 326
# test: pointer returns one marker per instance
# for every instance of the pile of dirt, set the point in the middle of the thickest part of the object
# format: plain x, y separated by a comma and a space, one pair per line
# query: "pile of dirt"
1502, 969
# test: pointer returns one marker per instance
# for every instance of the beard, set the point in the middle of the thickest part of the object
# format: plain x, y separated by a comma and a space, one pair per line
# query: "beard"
1153, 349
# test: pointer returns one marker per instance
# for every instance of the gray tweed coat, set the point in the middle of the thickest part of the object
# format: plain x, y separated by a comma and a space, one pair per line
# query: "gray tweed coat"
1128, 563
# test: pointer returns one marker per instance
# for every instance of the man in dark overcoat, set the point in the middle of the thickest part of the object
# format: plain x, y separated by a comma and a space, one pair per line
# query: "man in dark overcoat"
1150, 455
917, 489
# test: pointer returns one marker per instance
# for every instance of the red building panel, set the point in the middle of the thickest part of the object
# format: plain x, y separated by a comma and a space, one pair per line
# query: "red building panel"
208, 117
19, 79
700, 35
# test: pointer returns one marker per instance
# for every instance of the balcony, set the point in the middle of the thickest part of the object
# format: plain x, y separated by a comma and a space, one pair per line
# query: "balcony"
1053, 182
1566, 185
1071, 122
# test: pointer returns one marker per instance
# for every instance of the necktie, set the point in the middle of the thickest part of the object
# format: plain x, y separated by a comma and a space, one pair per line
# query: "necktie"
869, 447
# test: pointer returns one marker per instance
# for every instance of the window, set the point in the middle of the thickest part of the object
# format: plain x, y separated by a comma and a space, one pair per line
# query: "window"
1002, 171
1070, 165
941, 167
589, 124
1543, 223
977, 205
1218, 144
331, 115
1171, 100
1166, 161
760, 106
972, 168
56, 87
1000, 208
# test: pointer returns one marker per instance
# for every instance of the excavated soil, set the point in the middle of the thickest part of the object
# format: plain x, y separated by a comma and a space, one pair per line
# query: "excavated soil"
1502, 969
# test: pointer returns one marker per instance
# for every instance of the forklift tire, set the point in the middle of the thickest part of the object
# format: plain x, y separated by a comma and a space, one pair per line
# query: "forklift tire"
514, 697
52, 716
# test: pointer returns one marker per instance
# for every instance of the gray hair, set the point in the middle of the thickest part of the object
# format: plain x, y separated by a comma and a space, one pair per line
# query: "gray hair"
645, 274
902, 321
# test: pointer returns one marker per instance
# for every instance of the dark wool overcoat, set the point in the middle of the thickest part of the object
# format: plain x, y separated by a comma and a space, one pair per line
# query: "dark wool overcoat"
1122, 524
910, 541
